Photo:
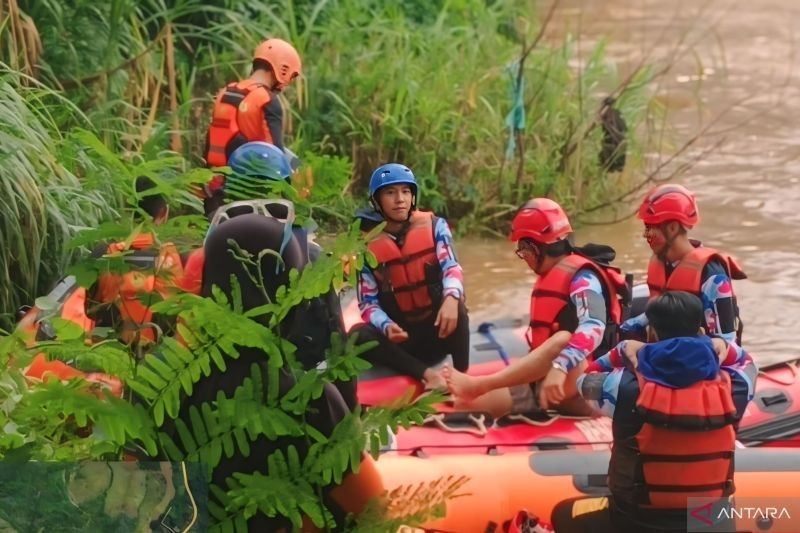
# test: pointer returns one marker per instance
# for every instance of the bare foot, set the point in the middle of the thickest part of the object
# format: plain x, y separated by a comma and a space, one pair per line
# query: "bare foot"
463, 386
433, 379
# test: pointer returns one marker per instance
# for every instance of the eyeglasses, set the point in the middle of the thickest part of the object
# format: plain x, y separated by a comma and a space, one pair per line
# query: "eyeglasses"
526, 250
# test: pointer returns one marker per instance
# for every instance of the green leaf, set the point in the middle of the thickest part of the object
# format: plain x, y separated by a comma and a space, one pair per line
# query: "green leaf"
198, 425
242, 442
46, 303
185, 435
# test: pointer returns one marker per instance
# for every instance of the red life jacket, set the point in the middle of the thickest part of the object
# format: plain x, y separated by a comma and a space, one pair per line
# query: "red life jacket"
237, 118
161, 268
688, 274
551, 295
409, 276
686, 444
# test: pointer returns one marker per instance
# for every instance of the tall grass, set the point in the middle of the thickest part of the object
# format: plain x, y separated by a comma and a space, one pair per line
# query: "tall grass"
425, 83
435, 95
41, 201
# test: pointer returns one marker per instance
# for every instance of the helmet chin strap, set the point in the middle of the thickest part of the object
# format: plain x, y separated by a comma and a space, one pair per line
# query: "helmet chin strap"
413, 207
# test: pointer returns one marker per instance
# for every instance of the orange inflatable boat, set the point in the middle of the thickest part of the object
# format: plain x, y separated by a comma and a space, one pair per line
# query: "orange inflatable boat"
499, 486
69, 300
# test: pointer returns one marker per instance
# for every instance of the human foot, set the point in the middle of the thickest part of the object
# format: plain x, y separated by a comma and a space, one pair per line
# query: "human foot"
463, 386
433, 380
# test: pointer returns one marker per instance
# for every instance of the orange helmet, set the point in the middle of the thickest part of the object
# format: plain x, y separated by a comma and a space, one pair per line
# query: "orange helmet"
542, 220
282, 57
668, 202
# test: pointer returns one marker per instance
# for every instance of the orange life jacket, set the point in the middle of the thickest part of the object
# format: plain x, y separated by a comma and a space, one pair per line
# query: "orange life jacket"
192, 280
237, 118
551, 295
159, 272
686, 444
36, 327
688, 274
409, 276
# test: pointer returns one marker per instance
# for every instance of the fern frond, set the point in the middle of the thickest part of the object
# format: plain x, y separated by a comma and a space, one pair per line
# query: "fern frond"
285, 491
409, 505
330, 459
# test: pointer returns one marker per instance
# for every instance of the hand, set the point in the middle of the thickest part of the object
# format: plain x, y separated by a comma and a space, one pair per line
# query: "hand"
721, 347
447, 319
631, 351
551, 392
396, 334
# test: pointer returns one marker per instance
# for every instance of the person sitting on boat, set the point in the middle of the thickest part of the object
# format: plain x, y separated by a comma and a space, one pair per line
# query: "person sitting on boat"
575, 311
668, 212
412, 302
254, 165
154, 268
675, 404
254, 227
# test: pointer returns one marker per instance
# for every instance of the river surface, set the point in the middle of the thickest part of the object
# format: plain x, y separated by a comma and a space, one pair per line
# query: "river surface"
742, 62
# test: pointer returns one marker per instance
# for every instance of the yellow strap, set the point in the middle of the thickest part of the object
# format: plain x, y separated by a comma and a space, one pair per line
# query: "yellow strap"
588, 505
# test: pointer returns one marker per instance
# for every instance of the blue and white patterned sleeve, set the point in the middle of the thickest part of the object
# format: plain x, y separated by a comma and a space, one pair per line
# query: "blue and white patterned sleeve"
368, 304
586, 293
717, 296
452, 273
600, 390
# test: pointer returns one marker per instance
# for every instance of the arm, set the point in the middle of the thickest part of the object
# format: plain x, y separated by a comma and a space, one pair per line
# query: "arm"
743, 371
586, 294
635, 324
621, 356
600, 390
717, 295
452, 274
273, 116
367, 293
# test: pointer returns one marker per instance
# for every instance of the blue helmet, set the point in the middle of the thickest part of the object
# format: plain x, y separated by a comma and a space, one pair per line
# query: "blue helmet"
392, 174
260, 159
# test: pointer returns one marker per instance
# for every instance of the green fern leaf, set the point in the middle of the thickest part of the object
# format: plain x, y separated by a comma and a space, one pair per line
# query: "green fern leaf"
143, 390
227, 444
199, 427
169, 447
242, 442
150, 377
185, 435
162, 368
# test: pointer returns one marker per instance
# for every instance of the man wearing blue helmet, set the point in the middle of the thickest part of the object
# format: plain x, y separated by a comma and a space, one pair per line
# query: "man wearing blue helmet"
413, 300
319, 317
252, 162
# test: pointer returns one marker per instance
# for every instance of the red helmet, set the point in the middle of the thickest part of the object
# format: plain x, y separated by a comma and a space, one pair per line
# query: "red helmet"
668, 202
541, 220
282, 57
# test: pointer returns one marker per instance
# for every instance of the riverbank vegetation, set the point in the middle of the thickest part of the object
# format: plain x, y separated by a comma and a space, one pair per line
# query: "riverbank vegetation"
468, 93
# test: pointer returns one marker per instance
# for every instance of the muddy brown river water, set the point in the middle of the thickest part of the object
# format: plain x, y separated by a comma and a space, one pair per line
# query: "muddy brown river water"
748, 190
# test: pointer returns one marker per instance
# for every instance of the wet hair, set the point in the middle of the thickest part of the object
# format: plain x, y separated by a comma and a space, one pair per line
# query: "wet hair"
675, 314
559, 248
152, 204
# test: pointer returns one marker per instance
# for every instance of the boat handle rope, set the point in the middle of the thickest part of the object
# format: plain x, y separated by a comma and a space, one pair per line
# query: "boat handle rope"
785, 382
553, 417
479, 420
